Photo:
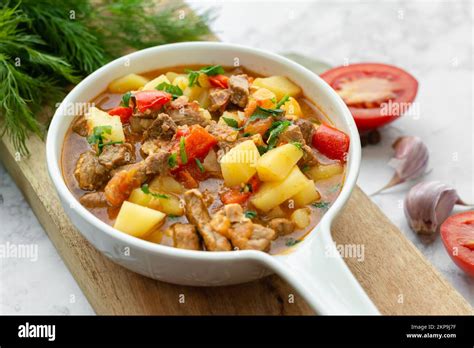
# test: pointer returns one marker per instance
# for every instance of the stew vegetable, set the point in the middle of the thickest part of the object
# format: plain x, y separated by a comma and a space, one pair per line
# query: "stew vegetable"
206, 158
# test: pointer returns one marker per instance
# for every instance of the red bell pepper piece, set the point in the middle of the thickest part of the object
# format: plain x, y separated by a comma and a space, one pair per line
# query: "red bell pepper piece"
331, 142
220, 81
124, 112
197, 143
239, 196
152, 100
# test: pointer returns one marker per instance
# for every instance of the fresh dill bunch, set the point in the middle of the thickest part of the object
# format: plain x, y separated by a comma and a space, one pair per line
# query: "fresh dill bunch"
47, 45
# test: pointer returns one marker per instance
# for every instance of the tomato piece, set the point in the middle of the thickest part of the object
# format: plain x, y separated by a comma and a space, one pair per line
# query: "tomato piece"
457, 233
220, 81
254, 183
259, 126
152, 100
376, 94
197, 143
124, 112
234, 196
331, 142
119, 188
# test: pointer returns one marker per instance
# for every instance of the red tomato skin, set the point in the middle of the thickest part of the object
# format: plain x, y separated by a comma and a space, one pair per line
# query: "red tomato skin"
152, 100
124, 112
367, 119
234, 196
219, 81
197, 142
331, 142
456, 229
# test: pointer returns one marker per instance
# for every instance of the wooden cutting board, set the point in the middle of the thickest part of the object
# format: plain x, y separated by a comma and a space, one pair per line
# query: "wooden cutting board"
395, 275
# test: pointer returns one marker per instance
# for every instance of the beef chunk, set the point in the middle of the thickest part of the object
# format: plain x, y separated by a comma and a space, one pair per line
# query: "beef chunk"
309, 157
139, 125
185, 236
239, 88
234, 212
197, 214
79, 125
291, 134
218, 98
162, 127
154, 145
307, 129
117, 155
222, 132
248, 235
94, 200
89, 173
183, 112
282, 226
157, 162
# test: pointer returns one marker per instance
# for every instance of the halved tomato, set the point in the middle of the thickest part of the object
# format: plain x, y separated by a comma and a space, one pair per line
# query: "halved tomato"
457, 233
376, 94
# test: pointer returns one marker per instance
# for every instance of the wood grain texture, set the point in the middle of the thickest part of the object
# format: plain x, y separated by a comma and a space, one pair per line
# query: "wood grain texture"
393, 269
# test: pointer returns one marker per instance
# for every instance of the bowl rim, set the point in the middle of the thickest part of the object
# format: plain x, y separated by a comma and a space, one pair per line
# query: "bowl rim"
55, 172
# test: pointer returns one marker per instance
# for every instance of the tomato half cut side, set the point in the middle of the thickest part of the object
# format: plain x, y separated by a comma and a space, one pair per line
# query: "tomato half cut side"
457, 233
376, 94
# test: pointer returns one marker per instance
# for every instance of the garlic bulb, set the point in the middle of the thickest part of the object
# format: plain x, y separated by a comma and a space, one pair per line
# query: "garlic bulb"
410, 160
428, 204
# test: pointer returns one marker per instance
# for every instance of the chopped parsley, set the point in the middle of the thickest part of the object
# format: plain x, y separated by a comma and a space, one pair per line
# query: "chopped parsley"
305, 168
147, 191
231, 122
182, 151
282, 101
200, 166
321, 205
126, 99
291, 241
97, 137
297, 144
175, 91
269, 112
172, 160
262, 149
250, 214
193, 75
276, 129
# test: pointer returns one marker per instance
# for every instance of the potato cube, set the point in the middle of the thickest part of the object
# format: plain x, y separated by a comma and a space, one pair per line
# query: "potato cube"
181, 81
292, 107
265, 98
203, 81
155, 82
321, 172
137, 220
130, 82
301, 217
166, 184
171, 75
193, 92
168, 204
278, 162
238, 165
274, 193
307, 195
98, 118
279, 85
238, 116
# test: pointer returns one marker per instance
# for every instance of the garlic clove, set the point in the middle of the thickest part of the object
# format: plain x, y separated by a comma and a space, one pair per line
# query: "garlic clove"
428, 204
410, 160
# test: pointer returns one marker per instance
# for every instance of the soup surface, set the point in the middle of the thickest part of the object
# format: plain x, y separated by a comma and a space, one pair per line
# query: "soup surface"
206, 158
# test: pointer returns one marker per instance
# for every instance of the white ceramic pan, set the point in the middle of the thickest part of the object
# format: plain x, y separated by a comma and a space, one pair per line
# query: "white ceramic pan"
313, 267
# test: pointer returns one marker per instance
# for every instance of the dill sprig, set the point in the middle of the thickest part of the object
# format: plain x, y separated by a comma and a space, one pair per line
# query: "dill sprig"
45, 46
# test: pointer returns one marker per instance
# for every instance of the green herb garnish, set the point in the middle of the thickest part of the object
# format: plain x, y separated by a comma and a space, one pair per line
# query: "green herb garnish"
200, 166
97, 137
305, 168
262, 149
291, 241
231, 122
147, 191
277, 128
193, 75
321, 205
250, 214
175, 91
172, 160
297, 144
182, 151
272, 112
282, 101
126, 99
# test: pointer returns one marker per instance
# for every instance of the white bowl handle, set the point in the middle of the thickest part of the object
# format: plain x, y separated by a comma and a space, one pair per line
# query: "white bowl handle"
318, 273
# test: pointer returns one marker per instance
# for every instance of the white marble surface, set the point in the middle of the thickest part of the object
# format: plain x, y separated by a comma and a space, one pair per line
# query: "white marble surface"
431, 39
